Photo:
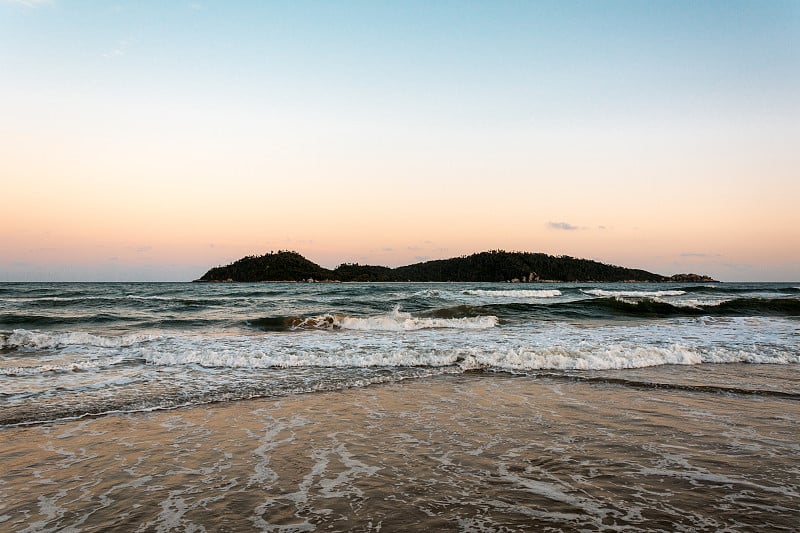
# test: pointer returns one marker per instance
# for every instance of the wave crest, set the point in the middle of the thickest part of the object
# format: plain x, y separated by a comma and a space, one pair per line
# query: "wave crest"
632, 294
22, 338
394, 321
541, 293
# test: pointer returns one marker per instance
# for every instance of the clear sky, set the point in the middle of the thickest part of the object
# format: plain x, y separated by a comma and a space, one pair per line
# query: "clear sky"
151, 140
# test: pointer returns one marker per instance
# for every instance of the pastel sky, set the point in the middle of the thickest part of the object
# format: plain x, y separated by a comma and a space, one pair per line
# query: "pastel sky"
151, 140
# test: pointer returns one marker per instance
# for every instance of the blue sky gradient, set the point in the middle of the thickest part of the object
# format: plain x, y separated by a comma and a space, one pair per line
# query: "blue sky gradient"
150, 140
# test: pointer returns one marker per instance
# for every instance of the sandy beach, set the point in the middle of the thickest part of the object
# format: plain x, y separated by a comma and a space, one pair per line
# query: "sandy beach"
453, 453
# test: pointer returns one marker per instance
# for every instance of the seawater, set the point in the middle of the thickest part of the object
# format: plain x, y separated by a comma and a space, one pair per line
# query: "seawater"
70, 350
397, 407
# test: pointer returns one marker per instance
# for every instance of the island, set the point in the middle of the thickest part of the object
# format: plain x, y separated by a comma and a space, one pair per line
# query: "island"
490, 266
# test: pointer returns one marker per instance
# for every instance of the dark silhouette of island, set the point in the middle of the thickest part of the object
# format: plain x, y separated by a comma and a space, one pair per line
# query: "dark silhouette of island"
492, 266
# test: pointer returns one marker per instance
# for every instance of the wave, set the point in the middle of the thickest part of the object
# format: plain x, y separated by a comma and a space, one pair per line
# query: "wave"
41, 320
179, 395
652, 307
394, 321
21, 338
73, 366
542, 293
655, 307
632, 294
520, 358
621, 356
733, 289
489, 315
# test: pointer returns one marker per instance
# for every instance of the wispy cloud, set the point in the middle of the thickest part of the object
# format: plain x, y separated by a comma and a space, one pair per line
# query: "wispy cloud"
562, 226
120, 49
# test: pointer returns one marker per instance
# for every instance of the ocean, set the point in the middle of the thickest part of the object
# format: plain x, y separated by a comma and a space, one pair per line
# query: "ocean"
386, 406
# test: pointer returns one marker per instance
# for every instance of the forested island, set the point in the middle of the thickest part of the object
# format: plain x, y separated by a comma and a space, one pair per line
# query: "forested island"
492, 266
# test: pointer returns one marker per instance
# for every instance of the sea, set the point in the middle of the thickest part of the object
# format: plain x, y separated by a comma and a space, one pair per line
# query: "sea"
728, 353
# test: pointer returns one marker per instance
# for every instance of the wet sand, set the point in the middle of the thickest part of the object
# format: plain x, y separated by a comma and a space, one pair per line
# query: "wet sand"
472, 452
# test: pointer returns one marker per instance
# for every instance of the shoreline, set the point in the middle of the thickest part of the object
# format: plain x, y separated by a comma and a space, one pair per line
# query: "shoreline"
451, 452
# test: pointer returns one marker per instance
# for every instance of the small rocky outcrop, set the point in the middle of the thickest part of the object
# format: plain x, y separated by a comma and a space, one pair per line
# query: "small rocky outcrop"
691, 278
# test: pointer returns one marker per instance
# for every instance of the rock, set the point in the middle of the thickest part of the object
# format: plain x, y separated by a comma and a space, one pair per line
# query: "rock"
691, 278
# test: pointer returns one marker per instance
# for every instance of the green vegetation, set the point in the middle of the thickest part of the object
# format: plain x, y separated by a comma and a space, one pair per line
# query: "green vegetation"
274, 266
496, 265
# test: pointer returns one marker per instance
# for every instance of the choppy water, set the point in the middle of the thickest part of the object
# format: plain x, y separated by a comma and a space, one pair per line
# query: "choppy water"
70, 350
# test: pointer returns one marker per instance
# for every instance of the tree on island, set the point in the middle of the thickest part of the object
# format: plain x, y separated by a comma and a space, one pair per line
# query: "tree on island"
491, 266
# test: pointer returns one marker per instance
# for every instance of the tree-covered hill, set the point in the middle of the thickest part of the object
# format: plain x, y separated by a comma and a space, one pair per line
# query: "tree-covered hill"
496, 265
274, 266
499, 265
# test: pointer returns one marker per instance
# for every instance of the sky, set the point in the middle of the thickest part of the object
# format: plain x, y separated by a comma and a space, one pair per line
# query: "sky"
151, 140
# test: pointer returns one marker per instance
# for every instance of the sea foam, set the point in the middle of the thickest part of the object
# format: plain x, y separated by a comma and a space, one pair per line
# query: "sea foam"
632, 294
21, 338
542, 293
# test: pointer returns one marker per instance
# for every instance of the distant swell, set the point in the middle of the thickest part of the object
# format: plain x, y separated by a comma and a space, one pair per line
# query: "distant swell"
648, 307
37, 320
737, 307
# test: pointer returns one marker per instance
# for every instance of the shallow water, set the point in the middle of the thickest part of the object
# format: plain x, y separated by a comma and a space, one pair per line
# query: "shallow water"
455, 453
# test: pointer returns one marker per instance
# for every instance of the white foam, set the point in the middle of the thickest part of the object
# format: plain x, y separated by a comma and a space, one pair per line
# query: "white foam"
631, 294
75, 366
428, 342
54, 299
395, 321
612, 357
541, 293
697, 303
21, 338
344, 357
507, 350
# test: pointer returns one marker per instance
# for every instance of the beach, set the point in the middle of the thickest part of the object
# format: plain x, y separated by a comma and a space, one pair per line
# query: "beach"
451, 453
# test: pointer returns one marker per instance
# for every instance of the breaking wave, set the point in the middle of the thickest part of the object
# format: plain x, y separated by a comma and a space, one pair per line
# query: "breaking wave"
21, 338
543, 293
632, 294
518, 358
395, 321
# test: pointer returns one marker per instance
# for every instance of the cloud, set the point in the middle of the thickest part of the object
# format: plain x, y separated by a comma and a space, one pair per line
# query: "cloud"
562, 226
120, 49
